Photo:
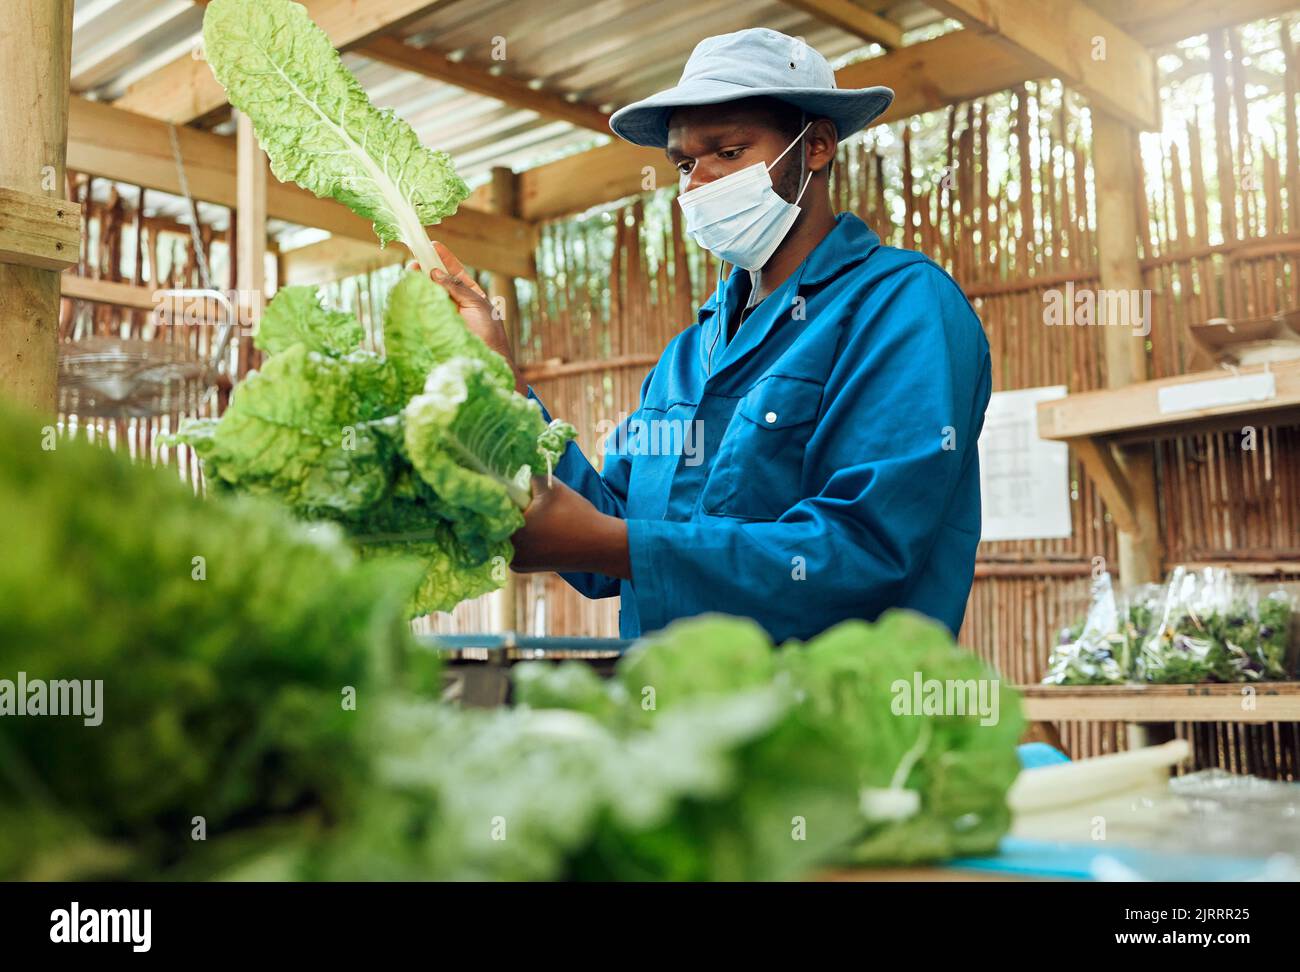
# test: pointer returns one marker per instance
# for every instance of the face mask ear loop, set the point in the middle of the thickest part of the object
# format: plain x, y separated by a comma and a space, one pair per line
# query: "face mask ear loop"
806, 184
803, 158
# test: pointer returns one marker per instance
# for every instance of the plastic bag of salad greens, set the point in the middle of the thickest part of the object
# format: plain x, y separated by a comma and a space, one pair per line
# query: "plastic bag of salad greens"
1208, 630
1277, 611
1141, 608
1092, 653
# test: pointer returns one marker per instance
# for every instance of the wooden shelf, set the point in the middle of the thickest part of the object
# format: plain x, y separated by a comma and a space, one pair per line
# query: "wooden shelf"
1098, 424
1132, 413
1271, 702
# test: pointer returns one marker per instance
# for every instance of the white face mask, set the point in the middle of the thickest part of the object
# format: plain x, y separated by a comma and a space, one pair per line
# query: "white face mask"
740, 218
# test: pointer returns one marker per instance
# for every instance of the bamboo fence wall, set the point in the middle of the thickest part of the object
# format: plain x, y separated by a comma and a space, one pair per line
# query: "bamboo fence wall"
999, 192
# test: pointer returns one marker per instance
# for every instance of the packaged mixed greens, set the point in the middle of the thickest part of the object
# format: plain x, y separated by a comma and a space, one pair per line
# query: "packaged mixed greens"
1208, 630
1094, 652
1201, 625
1277, 612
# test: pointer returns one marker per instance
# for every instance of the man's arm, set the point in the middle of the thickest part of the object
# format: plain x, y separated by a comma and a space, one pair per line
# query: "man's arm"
577, 520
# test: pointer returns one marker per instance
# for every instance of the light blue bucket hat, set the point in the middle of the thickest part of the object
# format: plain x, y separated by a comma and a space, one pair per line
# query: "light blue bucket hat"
749, 64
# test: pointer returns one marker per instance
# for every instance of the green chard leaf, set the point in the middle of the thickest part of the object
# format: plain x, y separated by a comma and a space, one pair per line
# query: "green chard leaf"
315, 122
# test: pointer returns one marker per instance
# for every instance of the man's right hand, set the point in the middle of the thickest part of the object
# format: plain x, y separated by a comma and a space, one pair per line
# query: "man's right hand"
475, 307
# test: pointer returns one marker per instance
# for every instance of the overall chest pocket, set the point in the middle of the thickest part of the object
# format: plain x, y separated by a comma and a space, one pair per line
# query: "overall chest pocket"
760, 459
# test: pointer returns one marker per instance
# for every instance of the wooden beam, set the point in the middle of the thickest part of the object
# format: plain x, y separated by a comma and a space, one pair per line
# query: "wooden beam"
1158, 22
334, 259
580, 181
185, 89
35, 64
136, 297
504, 297
555, 368
106, 141
111, 292
933, 74
1072, 41
39, 230
1105, 472
852, 19
1132, 412
501, 286
432, 64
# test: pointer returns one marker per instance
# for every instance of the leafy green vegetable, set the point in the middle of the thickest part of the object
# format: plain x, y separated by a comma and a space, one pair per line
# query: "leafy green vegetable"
315, 122
333, 431
673, 665
325, 426
296, 317
540, 794
228, 640
422, 328
851, 767
1099, 650
460, 435
1275, 620
224, 635
857, 682
303, 429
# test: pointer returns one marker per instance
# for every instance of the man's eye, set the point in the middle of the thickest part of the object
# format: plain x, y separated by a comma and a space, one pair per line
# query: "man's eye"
684, 167
729, 154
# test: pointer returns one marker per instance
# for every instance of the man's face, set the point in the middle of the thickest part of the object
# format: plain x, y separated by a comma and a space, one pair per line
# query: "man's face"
708, 142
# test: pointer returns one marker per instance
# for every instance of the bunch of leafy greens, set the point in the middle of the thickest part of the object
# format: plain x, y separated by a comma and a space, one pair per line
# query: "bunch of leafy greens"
709, 756
523, 794
426, 452
228, 639
852, 770
339, 432
315, 122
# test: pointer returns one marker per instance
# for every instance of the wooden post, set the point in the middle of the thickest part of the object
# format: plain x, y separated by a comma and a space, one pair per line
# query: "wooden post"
35, 64
1114, 147
504, 200
1113, 150
250, 233
501, 287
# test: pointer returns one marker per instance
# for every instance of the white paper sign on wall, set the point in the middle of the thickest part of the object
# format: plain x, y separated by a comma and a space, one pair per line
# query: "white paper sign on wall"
1024, 480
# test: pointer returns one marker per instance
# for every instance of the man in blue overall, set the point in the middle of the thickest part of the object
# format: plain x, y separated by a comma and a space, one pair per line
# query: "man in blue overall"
824, 408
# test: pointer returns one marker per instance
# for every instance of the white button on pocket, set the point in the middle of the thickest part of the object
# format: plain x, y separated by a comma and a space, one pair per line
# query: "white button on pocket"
771, 418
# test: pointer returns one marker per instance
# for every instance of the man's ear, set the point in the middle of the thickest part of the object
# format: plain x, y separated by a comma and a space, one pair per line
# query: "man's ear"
820, 144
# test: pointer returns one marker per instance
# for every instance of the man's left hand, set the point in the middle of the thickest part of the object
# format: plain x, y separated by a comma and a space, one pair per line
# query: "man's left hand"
563, 531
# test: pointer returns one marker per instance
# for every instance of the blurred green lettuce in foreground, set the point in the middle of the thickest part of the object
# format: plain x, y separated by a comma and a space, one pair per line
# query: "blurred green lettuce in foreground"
225, 634
258, 676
